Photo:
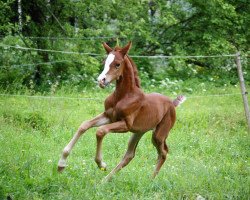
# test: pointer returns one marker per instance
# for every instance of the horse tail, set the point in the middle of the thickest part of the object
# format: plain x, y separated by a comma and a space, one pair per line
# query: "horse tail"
179, 100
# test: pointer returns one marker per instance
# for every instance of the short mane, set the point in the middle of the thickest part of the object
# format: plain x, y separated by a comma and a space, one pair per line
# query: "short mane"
137, 80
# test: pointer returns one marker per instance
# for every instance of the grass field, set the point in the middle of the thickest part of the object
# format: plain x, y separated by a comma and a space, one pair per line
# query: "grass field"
209, 152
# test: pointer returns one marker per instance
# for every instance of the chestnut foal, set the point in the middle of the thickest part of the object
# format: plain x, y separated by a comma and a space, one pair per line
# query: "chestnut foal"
128, 108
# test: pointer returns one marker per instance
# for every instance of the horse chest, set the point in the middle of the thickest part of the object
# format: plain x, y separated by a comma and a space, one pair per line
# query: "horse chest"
114, 113
111, 114
125, 107
121, 110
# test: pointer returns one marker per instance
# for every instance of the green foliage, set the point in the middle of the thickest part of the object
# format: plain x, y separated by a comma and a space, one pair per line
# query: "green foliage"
6, 14
187, 27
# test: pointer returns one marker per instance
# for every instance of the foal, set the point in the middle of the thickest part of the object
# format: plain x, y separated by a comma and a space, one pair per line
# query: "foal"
128, 108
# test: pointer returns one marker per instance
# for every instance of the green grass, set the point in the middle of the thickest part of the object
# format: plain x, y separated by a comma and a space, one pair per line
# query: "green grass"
209, 152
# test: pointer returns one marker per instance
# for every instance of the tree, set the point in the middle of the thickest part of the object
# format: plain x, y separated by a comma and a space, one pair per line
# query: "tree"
183, 27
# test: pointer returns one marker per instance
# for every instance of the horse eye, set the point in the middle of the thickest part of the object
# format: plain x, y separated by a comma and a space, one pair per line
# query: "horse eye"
117, 66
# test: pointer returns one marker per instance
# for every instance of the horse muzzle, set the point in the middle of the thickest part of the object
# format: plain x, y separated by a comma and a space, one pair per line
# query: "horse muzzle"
103, 83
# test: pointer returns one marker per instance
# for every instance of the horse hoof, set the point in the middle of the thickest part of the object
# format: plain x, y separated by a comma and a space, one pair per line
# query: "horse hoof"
60, 168
103, 166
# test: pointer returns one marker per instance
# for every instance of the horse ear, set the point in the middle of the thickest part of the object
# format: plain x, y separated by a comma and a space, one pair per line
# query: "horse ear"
125, 49
107, 47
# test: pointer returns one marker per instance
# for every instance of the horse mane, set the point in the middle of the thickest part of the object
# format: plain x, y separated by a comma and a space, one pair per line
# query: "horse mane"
137, 80
134, 67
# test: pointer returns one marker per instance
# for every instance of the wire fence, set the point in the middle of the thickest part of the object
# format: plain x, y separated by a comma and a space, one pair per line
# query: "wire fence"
102, 55
50, 97
50, 50
101, 99
72, 38
132, 56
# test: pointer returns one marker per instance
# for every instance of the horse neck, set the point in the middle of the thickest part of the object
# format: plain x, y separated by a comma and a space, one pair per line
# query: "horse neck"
137, 80
127, 82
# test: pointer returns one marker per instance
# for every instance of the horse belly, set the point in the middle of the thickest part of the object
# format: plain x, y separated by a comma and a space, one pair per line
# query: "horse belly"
147, 119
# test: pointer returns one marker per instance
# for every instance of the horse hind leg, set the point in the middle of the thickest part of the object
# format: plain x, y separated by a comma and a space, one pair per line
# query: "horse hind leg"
162, 151
159, 141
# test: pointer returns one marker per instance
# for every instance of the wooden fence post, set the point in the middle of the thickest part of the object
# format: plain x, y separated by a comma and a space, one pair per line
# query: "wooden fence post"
243, 89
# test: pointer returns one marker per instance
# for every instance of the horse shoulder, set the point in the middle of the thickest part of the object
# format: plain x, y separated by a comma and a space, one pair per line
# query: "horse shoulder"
129, 105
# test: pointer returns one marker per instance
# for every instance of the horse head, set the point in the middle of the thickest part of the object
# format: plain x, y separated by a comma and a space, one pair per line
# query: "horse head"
113, 65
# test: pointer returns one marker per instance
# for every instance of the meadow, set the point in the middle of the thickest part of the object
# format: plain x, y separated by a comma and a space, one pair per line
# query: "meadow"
208, 158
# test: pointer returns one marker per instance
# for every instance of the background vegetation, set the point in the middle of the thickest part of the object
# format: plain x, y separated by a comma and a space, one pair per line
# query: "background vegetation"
209, 145
183, 27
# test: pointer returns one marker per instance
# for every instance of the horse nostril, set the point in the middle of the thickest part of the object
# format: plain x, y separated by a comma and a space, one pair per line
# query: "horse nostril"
103, 80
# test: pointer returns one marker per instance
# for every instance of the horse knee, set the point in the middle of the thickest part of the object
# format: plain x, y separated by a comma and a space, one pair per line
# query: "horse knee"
81, 130
101, 132
83, 127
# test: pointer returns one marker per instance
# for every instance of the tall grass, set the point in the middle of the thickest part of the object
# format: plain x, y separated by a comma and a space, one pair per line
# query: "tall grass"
209, 152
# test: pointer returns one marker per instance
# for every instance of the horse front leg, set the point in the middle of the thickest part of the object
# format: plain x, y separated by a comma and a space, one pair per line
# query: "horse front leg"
97, 121
129, 155
119, 126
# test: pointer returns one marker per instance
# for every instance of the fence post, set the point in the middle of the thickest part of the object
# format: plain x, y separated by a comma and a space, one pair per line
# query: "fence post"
243, 89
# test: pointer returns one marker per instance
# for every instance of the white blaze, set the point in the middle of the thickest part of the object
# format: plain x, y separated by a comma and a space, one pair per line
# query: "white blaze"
108, 61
